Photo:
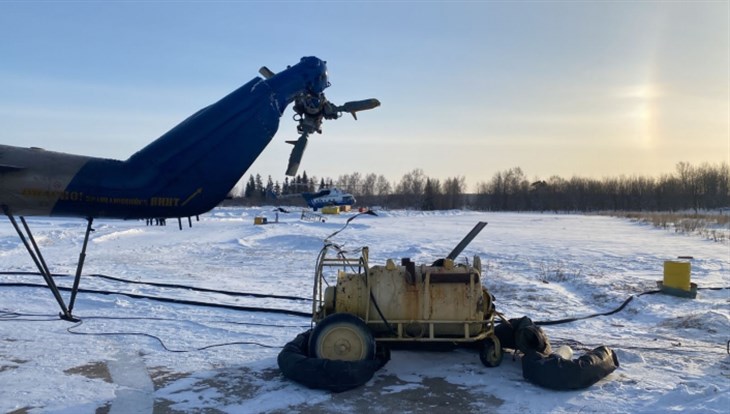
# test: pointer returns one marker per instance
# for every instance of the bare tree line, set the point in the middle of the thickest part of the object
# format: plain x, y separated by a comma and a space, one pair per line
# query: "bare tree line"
689, 187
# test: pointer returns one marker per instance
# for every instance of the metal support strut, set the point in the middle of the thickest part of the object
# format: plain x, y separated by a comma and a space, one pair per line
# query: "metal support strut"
37, 256
80, 265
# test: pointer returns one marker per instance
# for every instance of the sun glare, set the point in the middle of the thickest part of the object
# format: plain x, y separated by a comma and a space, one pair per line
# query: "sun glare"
642, 101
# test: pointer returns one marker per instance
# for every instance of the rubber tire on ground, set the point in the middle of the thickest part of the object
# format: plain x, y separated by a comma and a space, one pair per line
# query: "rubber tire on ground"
554, 372
296, 364
490, 352
342, 337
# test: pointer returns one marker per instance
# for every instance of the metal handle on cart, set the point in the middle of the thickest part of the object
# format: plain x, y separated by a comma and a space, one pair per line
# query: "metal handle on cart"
466, 240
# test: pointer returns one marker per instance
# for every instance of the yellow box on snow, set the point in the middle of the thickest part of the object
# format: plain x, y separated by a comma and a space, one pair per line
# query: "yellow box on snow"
677, 274
331, 210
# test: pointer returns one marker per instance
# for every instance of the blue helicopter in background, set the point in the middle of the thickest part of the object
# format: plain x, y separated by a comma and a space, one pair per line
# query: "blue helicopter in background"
328, 197
332, 196
184, 173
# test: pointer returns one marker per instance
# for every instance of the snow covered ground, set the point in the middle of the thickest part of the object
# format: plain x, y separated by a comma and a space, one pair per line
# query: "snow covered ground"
672, 350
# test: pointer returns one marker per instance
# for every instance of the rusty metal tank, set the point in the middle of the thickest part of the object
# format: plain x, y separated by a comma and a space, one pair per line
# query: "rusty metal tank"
440, 301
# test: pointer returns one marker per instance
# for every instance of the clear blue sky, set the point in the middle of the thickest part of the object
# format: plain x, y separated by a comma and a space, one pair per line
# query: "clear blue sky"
467, 88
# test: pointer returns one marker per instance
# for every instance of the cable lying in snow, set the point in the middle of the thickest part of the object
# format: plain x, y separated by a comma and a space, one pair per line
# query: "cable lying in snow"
146, 335
171, 300
9, 316
172, 285
619, 309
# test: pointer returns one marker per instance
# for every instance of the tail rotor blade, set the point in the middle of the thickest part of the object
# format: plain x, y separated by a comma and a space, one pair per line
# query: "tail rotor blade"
266, 72
295, 158
354, 107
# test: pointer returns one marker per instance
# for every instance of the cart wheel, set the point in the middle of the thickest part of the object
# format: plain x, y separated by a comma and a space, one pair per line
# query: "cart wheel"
343, 337
491, 352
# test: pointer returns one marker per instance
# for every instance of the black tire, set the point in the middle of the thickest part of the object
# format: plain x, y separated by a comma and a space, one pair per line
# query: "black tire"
342, 337
554, 372
296, 364
490, 352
